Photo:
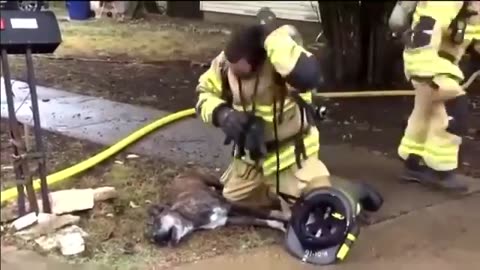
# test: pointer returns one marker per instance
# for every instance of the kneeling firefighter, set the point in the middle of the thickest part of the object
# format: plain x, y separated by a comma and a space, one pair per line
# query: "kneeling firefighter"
436, 35
258, 92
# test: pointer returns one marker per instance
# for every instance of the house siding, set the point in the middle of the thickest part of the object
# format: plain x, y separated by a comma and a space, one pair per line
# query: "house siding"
288, 10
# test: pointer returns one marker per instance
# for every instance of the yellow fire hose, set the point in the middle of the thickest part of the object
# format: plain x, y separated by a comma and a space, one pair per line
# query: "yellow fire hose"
388, 93
11, 193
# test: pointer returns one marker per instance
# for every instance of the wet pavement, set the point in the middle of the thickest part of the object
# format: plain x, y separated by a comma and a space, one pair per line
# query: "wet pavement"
106, 122
415, 224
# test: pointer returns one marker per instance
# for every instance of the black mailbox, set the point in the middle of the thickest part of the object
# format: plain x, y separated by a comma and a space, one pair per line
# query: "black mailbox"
20, 30
27, 33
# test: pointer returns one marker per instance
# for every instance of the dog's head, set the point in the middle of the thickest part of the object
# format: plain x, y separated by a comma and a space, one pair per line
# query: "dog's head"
167, 226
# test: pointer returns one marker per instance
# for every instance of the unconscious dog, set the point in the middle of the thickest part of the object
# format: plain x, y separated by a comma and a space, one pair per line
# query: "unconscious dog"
196, 203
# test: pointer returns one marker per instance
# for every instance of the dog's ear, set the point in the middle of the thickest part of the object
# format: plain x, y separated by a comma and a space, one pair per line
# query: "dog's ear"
156, 209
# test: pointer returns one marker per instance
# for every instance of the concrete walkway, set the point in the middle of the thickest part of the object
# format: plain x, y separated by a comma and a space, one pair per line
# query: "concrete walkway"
106, 122
407, 207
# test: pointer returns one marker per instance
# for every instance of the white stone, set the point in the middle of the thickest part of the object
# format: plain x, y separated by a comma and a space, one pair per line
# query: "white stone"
52, 241
73, 229
47, 224
25, 221
44, 217
71, 244
132, 156
72, 200
133, 205
104, 193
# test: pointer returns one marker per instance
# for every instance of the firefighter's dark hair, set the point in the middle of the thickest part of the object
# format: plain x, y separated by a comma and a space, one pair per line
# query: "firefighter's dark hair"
246, 43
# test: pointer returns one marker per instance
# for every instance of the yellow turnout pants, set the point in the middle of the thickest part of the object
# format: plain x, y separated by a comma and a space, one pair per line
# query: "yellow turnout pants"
245, 184
426, 134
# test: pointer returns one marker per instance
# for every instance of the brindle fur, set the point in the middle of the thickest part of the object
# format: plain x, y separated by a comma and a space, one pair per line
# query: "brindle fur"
192, 197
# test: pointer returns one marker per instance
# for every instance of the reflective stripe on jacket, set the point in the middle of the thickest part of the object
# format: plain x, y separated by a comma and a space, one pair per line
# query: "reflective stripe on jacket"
422, 59
209, 90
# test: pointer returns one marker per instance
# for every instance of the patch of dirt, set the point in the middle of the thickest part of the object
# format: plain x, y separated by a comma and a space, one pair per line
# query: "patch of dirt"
168, 87
116, 228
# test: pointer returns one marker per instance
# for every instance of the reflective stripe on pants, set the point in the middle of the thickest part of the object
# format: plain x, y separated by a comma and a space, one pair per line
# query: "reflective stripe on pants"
426, 134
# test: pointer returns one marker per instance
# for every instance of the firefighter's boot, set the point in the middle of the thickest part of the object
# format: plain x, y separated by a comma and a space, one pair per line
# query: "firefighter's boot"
447, 180
414, 169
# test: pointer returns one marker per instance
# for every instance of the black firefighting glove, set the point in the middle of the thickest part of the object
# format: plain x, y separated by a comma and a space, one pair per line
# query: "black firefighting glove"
233, 123
255, 138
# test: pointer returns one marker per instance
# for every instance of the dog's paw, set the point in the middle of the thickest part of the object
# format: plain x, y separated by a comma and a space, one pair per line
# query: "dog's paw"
278, 225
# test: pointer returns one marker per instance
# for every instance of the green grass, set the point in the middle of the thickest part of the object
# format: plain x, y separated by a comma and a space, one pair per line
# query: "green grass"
148, 40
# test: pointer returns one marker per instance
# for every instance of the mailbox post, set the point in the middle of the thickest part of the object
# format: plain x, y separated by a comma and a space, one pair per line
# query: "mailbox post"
27, 33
